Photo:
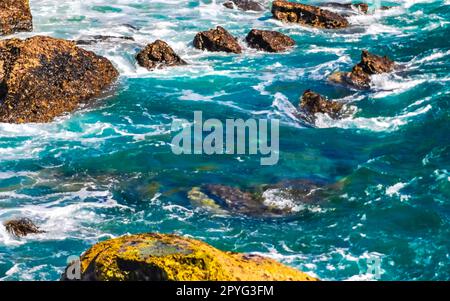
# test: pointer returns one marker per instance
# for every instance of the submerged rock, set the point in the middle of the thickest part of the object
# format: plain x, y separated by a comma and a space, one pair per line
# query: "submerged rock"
313, 103
307, 15
158, 55
22, 227
217, 39
268, 40
245, 5
162, 257
15, 16
359, 77
43, 77
359, 7
100, 38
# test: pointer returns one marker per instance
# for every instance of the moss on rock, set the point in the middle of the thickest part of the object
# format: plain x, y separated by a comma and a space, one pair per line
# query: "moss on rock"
153, 257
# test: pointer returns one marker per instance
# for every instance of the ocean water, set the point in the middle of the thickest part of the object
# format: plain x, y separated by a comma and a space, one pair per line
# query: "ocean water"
108, 169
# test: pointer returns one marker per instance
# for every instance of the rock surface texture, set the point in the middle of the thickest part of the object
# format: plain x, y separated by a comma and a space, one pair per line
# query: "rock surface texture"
158, 55
246, 5
307, 15
217, 39
159, 257
314, 103
43, 77
15, 16
268, 40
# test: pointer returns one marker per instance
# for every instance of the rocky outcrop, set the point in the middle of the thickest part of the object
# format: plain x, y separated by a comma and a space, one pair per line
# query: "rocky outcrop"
358, 7
22, 227
217, 39
268, 40
278, 200
307, 15
15, 16
313, 103
161, 257
43, 77
158, 55
246, 5
359, 77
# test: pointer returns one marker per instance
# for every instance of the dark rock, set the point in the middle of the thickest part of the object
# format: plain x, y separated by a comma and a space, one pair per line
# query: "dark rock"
358, 7
99, 39
43, 77
314, 103
307, 15
22, 227
359, 77
217, 40
158, 55
245, 5
15, 16
267, 40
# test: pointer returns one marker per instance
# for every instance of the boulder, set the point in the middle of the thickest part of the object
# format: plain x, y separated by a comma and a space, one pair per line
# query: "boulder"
43, 77
22, 227
359, 77
217, 39
268, 40
246, 5
307, 15
158, 55
15, 16
313, 103
164, 257
358, 7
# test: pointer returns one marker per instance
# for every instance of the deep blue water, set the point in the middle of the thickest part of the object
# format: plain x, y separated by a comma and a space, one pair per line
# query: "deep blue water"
107, 170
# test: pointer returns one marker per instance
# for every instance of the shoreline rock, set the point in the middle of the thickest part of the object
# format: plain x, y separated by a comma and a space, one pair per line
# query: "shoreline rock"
165, 257
22, 227
158, 55
217, 40
307, 15
360, 76
15, 16
43, 77
313, 103
245, 5
268, 40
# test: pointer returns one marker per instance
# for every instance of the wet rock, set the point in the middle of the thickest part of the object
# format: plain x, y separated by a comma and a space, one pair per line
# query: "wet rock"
43, 77
162, 257
307, 15
268, 40
360, 76
100, 38
22, 227
217, 39
358, 7
15, 16
246, 5
314, 103
158, 55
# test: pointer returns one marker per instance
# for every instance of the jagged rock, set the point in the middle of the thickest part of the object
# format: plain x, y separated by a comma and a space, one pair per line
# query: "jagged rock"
43, 77
163, 257
359, 7
307, 15
158, 55
100, 38
15, 16
22, 227
268, 40
217, 39
314, 103
245, 5
359, 77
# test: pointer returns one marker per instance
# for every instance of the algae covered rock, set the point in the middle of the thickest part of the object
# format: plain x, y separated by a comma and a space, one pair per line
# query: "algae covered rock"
158, 55
307, 15
217, 39
360, 76
268, 40
43, 77
245, 5
160, 257
15, 16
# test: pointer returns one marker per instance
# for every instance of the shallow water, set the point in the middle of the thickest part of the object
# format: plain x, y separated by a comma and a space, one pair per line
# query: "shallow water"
108, 169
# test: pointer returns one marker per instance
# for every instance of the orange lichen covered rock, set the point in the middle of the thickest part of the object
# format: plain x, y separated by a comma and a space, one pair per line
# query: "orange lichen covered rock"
43, 77
161, 257
15, 16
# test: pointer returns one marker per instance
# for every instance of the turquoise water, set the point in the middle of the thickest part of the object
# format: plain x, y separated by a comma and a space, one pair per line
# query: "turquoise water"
108, 169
